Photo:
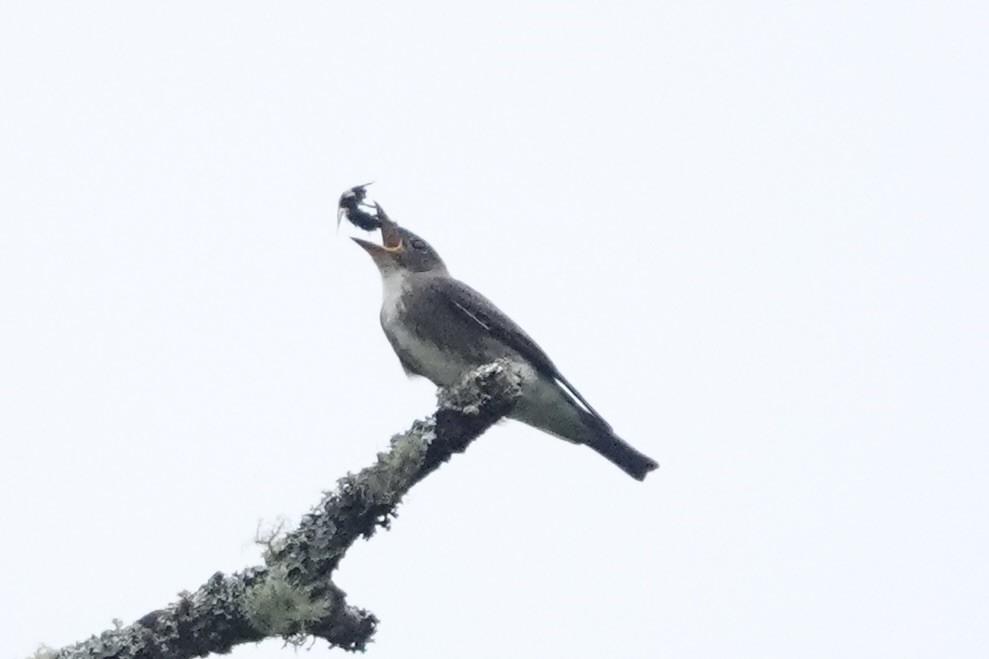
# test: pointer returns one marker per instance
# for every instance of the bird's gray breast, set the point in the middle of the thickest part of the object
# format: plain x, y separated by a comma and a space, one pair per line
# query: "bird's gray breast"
416, 325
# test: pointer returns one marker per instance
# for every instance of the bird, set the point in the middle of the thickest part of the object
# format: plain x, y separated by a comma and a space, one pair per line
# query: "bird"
441, 328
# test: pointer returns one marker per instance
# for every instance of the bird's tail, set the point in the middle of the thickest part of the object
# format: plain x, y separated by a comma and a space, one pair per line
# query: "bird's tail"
619, 452
562, 412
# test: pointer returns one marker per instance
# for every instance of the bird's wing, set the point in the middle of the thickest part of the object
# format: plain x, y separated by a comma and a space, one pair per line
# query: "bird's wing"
470, 305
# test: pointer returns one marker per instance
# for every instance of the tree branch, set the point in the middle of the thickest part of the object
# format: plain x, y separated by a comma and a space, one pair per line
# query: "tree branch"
291, 595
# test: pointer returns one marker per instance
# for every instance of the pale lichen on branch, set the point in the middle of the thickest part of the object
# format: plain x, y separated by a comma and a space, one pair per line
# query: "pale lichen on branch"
292, 596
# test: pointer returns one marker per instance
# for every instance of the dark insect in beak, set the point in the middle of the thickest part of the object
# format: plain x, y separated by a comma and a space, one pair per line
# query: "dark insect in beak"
353, 208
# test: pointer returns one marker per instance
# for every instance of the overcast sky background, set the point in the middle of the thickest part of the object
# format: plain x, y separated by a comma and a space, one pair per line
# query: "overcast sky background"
755, 238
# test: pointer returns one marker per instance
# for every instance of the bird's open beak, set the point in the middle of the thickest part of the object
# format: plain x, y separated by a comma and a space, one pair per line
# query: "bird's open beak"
390, 237
377, 251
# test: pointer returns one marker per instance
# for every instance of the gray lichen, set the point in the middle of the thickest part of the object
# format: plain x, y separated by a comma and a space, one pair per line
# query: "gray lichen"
277, 607
292, 595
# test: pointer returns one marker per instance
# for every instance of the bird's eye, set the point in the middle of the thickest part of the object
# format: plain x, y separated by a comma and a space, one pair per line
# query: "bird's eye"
418, 244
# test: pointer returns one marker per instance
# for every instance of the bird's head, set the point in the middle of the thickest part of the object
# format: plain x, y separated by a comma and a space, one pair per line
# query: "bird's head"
401, 249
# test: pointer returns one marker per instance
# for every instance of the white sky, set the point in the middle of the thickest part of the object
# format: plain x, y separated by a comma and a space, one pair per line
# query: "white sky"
755, 238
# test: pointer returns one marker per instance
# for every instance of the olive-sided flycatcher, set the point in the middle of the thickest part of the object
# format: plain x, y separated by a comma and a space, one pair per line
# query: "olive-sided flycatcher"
441, 328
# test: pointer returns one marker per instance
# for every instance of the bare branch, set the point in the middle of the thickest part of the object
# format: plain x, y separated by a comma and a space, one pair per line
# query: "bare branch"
291, 595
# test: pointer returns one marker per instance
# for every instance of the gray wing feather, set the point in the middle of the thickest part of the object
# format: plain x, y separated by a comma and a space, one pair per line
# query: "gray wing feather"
468, 304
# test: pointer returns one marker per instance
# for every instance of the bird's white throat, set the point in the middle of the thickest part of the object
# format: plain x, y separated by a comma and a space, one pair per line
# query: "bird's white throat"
393, 284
